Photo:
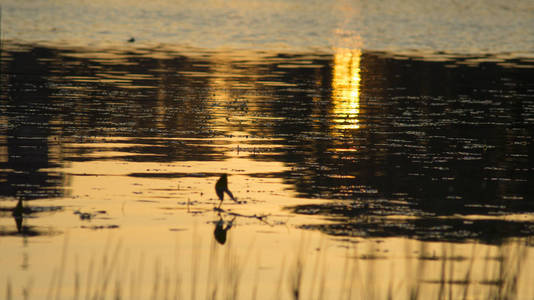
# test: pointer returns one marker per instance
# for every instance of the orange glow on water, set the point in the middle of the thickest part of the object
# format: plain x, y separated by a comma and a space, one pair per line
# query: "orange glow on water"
346, 88
143, 182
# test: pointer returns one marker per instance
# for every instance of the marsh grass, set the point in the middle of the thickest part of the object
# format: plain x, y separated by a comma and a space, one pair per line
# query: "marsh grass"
495, 273
297, 271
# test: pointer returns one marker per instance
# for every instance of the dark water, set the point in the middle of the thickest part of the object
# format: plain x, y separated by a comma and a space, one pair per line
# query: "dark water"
423, 143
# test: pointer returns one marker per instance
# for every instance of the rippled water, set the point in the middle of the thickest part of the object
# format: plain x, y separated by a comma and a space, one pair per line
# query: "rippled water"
469, 26
388, 162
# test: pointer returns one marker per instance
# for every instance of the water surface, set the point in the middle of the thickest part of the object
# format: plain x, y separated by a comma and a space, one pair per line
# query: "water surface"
469, 26
350, 168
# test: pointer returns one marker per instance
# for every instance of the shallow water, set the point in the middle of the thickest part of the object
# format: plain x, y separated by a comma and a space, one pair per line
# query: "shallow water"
469, 26
350, 168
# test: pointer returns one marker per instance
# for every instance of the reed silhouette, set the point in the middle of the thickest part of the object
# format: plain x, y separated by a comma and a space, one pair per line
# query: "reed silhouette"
221, 187
440, 273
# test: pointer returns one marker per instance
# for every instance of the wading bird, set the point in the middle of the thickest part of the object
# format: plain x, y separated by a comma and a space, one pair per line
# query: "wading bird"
221, 187
18, 215
18, 210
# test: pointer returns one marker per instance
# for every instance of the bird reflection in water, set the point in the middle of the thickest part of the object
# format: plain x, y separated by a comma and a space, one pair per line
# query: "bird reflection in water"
221, 187
221, 229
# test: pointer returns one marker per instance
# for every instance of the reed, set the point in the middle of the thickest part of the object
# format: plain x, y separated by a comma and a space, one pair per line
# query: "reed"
445, 275
8, 290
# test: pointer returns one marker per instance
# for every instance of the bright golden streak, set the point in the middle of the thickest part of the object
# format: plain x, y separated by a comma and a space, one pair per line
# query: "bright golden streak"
346, 88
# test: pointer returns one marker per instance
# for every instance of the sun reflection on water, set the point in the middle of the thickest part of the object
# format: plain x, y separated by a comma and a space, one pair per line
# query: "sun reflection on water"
346, 88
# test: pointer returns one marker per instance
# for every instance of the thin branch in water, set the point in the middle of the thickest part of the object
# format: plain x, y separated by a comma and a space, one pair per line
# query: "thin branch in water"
261, 218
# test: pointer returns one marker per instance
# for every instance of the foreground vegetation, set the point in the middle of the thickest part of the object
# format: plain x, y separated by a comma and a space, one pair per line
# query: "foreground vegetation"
495, 274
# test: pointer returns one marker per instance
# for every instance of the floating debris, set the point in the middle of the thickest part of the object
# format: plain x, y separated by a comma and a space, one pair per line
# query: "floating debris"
99, 227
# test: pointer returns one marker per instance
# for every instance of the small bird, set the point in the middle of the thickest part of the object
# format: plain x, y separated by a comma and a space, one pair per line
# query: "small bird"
18, 210
221, 187
17, 214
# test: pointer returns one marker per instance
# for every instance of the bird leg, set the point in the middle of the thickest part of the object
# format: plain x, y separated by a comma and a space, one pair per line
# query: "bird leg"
231, 195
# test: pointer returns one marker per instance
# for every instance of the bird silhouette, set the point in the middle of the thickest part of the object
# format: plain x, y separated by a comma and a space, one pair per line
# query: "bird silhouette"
17, 214
221, 187
18, 210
